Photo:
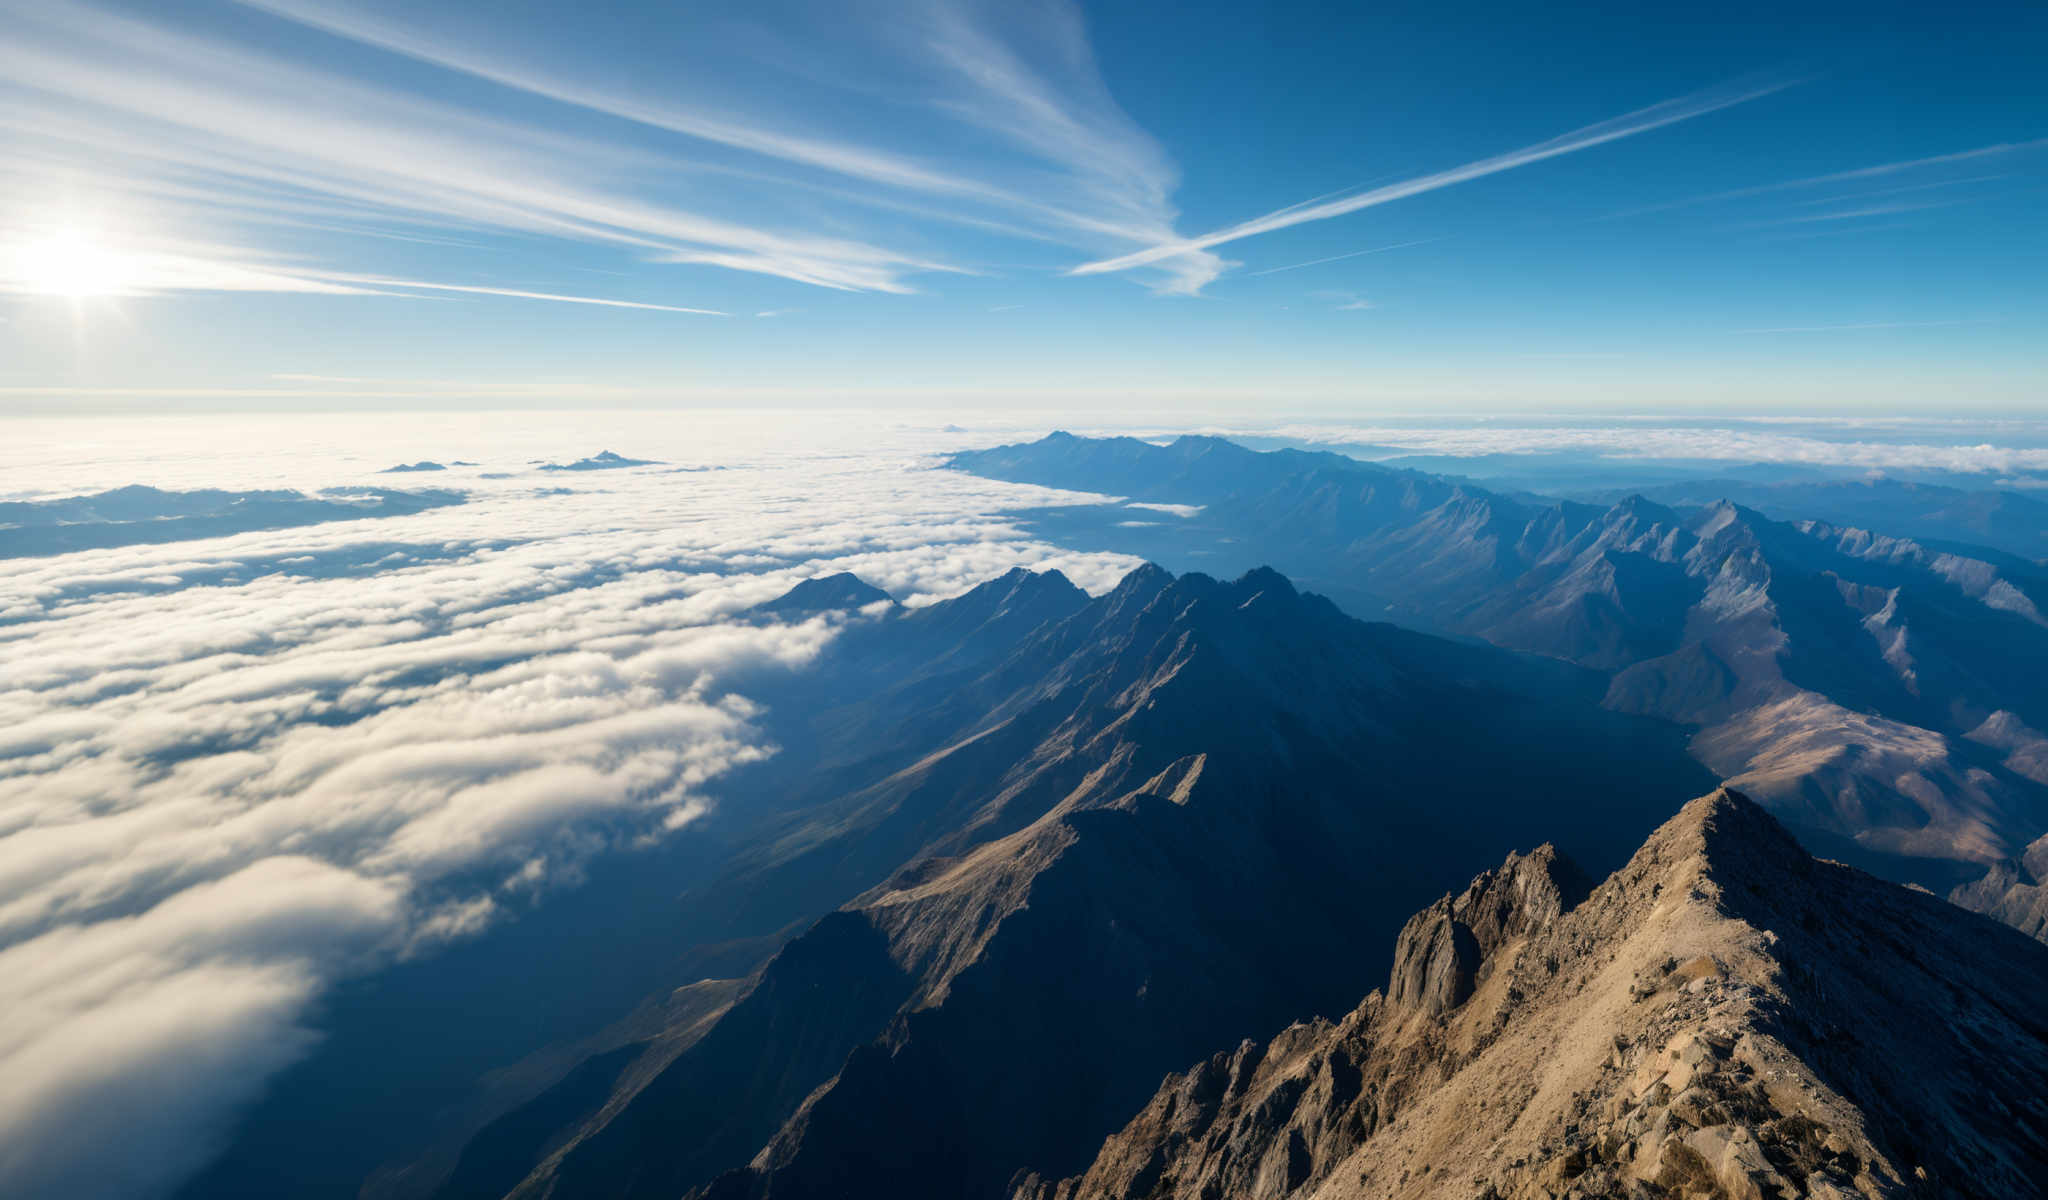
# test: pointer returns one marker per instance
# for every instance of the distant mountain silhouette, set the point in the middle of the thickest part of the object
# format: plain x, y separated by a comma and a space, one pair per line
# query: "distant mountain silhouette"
1998, 518
137, 515
603, 460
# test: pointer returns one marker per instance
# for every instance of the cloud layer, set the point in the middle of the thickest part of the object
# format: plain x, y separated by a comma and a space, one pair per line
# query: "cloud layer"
233, 771
1876, 443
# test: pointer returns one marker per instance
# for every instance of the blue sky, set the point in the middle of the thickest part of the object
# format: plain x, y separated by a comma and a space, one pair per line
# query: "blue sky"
311, 203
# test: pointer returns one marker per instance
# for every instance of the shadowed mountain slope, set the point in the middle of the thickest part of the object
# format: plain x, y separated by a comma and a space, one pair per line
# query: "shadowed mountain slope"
1167, 819
425, 1055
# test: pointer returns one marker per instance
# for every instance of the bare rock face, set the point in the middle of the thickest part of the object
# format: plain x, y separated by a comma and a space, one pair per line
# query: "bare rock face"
1724, 1017
2013, 892
1443, 949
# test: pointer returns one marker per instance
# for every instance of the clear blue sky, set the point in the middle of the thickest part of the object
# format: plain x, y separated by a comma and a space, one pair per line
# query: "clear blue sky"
312, 203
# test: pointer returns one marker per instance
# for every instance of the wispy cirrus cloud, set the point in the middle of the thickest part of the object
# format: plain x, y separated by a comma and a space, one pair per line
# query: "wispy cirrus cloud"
1853, 175
517, 294
125, 268
1317, 262
241, 134
195, 106
1854, 214
1656, 116
1043, 92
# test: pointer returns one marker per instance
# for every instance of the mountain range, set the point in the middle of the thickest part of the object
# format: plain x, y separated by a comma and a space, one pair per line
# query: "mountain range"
1026, 852
1998, 518
137, 515
1871, 689
1149, 824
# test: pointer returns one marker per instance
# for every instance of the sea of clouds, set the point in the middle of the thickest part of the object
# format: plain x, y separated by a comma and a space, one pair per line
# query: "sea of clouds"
235, 771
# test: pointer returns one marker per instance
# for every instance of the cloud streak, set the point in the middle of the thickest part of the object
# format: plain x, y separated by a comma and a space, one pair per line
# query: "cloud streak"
215, 130
1317, 262
1854, 175
514, 293
255, 123
1657, 116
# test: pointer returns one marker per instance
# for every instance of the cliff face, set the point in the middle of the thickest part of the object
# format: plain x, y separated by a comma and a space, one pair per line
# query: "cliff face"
1724, 1016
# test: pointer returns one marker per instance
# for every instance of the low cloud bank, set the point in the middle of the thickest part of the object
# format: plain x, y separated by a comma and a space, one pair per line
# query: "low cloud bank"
1876, 444
234, 771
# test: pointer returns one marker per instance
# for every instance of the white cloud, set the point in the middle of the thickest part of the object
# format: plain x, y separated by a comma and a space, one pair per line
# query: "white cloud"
1669, 112
1734, 441
1178, 510
172, 128
1854, 175
251, 125
218, 797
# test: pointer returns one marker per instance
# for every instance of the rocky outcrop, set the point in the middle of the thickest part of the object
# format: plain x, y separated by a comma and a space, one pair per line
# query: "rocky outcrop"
1723, 1017
1442, 950
2015, 892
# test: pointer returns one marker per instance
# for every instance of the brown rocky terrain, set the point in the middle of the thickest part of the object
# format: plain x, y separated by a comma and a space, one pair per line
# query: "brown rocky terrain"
1725, 1016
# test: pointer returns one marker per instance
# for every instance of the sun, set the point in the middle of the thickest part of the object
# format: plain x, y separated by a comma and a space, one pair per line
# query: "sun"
70, 263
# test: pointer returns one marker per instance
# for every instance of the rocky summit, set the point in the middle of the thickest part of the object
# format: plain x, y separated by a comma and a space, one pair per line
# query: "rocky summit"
1724, 1016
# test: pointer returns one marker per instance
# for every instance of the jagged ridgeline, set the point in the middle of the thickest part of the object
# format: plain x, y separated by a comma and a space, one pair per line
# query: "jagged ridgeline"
1075, 844
1112, 839
1874, 685
1725, 1016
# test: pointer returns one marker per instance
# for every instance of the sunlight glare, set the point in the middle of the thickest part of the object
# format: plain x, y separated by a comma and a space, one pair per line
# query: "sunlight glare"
68, 263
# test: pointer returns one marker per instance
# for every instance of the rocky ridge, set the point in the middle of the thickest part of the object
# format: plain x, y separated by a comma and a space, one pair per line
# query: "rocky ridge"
1872, 691
1153, 819
1725, 1016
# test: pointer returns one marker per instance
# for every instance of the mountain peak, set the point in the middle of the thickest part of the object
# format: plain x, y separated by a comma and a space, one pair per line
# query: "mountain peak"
1266, 579
1020, 595
825, 593
1444, 949
1146, 577
1723, 1017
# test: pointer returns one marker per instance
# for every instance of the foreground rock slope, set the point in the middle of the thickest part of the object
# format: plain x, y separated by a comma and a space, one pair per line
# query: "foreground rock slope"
1725, 1016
